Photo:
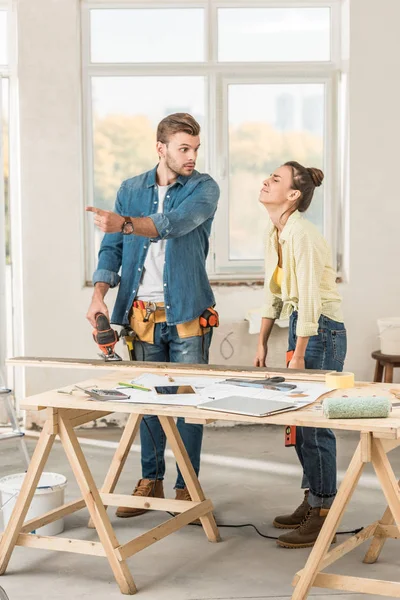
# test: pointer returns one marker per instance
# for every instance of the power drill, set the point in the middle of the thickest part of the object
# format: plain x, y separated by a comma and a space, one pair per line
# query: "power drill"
105, 338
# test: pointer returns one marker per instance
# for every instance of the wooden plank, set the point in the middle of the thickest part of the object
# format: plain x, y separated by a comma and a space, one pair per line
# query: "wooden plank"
344, 548
121, 454
199, 421
161, 531
162, 367
388, 428
87, 417
389, 445
96, 509
149, 503
25, 496
387, 479
366, 447
332, 521
377, 544
52, 415
61, 544
388, 531
358, 584
189, 475
53, 515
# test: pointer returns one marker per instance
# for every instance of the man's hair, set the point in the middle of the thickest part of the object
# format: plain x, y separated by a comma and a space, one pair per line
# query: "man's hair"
176, 123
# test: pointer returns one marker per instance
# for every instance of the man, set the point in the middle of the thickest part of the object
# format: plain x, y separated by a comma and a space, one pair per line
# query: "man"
158, 235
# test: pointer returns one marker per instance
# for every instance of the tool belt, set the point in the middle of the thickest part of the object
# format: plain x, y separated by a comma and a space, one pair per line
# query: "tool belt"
145, 315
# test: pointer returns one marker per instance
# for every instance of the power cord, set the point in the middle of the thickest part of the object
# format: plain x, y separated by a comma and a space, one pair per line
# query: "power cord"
228, 525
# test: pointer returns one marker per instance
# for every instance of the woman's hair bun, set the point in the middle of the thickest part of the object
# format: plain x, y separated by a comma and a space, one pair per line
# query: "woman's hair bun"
316, 175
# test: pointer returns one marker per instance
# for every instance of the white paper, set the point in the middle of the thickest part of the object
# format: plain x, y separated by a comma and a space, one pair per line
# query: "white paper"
209, 388
150, 380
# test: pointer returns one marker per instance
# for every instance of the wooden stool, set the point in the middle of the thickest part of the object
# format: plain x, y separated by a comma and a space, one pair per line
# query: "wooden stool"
385, 362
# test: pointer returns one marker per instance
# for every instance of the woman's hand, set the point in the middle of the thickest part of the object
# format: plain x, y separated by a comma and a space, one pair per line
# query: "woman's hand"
261, 356
297, 363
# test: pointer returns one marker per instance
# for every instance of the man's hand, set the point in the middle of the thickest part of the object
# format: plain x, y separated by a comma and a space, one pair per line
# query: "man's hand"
261, 356
297, 363
97, 306
106, 220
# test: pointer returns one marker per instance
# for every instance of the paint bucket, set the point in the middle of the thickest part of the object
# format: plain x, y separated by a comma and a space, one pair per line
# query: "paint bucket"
49, 495
389, 333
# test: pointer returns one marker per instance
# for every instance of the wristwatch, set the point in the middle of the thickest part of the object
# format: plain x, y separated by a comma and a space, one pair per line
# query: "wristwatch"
127, 226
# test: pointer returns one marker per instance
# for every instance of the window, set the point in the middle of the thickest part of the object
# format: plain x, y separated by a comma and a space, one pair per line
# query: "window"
126, 111
263, 81
5, 166
7, 81
274, 34
3, 37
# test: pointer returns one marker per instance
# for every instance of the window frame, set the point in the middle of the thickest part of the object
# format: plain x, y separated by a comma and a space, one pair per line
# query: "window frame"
216, 74
12, 333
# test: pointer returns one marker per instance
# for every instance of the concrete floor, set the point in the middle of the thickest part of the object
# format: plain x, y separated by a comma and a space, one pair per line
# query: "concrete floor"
250, 477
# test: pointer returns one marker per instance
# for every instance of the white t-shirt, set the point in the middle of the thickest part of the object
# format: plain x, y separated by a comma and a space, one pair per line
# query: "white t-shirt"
151, 286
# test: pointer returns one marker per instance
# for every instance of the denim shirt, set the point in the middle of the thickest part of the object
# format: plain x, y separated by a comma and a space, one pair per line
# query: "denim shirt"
189, 209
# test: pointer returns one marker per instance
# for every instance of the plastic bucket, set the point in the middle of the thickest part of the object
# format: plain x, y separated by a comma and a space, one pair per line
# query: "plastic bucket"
49, 494
389, 333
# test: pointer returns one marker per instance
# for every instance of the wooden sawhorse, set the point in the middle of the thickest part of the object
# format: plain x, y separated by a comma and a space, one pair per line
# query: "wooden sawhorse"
62, 422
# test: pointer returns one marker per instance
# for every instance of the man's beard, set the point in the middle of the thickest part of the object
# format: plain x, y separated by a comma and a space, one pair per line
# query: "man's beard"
172, 166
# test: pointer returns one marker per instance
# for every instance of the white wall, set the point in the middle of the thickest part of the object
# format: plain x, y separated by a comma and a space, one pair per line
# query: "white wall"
55, 300
374, 213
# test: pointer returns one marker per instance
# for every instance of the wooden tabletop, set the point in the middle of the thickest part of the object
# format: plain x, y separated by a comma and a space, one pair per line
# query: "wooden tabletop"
310, 417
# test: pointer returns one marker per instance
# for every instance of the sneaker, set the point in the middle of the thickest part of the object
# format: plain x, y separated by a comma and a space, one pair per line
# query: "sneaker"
145, 487
306, 535
294, 520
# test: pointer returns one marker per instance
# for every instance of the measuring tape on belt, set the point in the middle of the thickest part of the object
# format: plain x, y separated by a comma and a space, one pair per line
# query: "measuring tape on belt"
209, 318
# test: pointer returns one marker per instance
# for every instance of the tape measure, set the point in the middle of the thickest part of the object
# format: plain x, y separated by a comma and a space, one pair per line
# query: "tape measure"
339, 381
209, 318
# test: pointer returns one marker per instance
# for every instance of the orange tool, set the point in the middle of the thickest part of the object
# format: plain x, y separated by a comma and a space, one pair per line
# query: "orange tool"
290, 430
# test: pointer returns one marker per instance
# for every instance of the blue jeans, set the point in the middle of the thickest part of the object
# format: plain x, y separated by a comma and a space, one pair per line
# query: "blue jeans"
169, 347
316, 447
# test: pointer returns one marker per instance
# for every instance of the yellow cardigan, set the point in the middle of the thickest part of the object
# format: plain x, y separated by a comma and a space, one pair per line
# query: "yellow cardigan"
308, 282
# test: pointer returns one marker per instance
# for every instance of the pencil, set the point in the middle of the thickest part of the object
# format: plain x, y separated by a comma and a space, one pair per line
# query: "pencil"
134, 386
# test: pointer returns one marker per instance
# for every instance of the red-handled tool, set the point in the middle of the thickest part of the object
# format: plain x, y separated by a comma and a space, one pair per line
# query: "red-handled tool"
105, 338
290, 430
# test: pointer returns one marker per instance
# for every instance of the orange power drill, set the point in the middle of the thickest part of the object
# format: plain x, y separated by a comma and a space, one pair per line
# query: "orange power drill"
105, 338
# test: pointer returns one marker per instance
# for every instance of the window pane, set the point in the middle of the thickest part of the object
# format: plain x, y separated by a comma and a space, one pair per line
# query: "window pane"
3, 37
4, 168
147, 35
269, 124
273, 34
126, 112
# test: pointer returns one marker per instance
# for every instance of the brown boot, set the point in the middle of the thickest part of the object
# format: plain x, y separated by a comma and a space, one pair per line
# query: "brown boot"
184, 495
145, 487
294, 520
306, 535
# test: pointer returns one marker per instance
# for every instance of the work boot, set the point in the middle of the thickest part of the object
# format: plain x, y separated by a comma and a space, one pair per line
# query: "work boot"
184, 495
145, 487
294, 520
306, 535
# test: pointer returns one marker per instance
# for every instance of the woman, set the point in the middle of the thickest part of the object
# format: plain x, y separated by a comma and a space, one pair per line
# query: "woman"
301, 283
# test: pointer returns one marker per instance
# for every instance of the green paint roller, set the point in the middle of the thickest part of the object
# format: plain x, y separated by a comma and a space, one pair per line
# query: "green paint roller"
369, 407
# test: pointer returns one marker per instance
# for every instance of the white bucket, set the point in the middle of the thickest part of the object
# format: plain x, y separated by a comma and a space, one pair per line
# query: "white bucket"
389, 333
49, 494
